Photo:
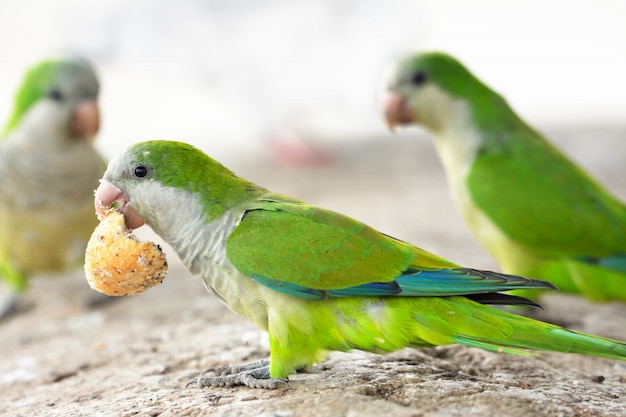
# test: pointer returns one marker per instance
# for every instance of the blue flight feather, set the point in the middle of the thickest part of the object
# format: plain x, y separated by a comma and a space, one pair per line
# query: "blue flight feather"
439, 283
291, 289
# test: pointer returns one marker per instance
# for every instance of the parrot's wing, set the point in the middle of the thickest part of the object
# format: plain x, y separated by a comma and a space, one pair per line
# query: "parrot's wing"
547, 204
314, 253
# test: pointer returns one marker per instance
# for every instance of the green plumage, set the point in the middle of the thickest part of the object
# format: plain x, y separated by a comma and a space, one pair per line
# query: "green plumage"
48, 171
300, 272
553, 220
36, 84
338, 252
302, 332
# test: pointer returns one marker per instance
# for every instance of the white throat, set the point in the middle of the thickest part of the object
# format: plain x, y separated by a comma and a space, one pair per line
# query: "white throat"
201, 246
48, 120
456, 139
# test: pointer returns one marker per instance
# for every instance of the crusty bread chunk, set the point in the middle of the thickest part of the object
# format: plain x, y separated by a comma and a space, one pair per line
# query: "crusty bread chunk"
116, 263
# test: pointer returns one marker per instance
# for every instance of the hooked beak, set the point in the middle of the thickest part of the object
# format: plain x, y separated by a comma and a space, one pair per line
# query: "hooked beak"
85, 121
397, 111
106, 195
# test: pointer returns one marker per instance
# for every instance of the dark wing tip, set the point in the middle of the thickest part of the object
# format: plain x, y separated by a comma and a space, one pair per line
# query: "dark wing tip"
516, 281
496, 298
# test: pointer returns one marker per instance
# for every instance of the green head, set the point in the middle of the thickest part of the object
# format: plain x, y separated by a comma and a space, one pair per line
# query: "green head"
435, 89
164, 180
64, 82
418, 70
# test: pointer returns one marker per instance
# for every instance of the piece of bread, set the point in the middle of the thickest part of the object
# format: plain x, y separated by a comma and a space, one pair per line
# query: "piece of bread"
116, 263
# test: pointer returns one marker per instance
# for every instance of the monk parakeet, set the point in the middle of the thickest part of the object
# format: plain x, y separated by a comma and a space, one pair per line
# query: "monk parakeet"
316, 280
48, 171
538, 213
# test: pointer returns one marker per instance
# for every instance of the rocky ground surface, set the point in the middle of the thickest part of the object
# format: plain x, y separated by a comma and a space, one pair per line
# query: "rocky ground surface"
62, 356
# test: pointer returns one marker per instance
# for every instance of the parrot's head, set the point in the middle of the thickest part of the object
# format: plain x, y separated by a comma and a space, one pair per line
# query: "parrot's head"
58, 94
434, 90
167, 183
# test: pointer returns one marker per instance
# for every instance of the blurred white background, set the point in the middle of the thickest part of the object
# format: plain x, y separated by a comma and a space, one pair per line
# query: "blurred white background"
228, 75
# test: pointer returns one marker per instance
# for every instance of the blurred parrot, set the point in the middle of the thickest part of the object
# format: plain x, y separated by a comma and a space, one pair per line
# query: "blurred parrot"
316, 280
49, 169
538, 213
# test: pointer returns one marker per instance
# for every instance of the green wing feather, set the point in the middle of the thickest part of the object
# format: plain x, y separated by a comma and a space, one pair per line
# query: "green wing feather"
543, 201
294, 242
342, 257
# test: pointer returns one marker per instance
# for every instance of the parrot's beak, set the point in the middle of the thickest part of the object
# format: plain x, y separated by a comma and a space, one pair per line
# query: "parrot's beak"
85, 121
397, 111
106, 195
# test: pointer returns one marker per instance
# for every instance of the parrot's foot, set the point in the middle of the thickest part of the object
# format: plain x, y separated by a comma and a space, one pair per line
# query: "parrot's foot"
229, 370
252, 375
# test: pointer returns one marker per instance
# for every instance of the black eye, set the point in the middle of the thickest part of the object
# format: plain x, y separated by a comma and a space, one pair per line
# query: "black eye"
141, 171
418, 78
55, 94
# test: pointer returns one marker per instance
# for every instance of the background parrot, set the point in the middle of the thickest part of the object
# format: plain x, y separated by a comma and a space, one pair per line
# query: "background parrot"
48, 171
316, 280
538, 213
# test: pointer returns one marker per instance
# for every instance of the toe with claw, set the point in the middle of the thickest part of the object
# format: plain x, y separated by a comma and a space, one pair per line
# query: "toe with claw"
252, 375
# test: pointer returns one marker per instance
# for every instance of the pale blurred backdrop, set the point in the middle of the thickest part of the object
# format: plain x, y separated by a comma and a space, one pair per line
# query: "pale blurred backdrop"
231, 76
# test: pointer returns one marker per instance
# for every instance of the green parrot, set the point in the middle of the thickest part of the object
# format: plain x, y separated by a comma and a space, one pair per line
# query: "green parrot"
538, 213
316, 280
49, 169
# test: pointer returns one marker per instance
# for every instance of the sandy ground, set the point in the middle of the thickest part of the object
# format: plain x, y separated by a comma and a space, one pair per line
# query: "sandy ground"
133, 356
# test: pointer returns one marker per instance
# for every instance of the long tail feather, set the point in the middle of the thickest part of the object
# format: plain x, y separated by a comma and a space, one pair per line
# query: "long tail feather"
502, 331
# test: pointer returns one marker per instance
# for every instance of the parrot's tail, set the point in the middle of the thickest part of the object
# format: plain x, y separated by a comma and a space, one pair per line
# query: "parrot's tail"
500, 331
303, 331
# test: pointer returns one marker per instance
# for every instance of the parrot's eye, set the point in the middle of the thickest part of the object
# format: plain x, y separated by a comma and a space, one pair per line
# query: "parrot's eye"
55, 94
418, 78
141, 171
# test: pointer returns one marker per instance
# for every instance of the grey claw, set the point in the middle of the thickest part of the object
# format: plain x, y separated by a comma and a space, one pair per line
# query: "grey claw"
192, 381
252, 375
